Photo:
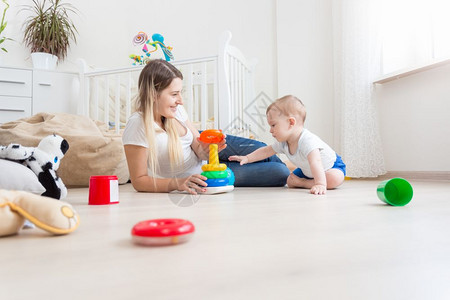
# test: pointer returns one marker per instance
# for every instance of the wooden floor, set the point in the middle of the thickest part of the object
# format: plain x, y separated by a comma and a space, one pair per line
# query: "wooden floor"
253, 243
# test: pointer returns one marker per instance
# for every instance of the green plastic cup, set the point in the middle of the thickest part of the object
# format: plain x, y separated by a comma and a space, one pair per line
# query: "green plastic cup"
395, 191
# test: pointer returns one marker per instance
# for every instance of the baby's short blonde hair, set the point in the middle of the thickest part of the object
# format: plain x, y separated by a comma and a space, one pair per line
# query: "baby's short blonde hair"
290, 106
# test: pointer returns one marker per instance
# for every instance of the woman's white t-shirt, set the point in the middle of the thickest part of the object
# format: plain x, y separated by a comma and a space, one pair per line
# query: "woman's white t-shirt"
307, 142
134, 134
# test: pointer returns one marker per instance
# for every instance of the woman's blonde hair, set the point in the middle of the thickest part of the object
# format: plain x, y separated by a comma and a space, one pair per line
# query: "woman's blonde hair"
289, 106
154, 78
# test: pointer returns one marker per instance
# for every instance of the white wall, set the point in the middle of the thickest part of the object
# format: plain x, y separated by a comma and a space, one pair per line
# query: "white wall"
305, 60
414, 111
106, 29
414, 114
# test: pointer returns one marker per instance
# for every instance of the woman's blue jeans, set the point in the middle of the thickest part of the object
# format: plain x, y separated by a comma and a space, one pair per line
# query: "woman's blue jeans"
268, 172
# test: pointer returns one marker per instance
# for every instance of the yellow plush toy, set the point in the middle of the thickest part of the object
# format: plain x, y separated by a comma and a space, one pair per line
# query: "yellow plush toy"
56, 217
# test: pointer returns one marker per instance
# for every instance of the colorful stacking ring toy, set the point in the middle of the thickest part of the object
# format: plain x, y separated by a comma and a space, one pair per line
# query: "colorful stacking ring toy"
159, 232
218, 175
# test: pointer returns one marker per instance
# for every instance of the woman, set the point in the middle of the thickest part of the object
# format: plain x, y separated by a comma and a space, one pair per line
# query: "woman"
162, 146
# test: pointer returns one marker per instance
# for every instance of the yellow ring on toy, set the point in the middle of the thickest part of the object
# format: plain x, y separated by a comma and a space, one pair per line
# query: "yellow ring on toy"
210, 167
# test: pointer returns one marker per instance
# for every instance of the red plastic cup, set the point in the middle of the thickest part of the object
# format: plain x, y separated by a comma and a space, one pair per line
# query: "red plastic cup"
103, 190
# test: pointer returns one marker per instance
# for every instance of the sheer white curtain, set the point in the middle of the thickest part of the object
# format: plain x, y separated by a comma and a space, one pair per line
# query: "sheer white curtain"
357, 62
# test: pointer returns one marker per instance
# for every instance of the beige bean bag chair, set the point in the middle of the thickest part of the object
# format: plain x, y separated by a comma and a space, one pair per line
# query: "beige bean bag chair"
94, 150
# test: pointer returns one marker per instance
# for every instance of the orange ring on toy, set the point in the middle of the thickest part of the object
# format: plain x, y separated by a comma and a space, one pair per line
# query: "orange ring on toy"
211, 136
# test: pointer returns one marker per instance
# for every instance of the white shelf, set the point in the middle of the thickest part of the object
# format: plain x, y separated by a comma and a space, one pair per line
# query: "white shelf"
24, 92
412, 70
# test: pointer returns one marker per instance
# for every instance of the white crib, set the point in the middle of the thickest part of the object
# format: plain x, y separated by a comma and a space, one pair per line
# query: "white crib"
216, 90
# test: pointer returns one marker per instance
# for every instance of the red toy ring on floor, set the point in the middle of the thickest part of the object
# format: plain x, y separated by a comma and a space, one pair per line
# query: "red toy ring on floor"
162, 231
211, 136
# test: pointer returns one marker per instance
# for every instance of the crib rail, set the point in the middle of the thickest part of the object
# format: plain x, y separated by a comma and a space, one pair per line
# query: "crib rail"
235, 73
216, 90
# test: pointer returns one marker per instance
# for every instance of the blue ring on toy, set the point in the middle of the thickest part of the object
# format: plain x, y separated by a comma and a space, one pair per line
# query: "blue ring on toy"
216, 182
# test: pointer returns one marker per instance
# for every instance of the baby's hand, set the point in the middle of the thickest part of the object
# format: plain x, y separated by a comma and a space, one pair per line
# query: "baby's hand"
318, 189
242, 159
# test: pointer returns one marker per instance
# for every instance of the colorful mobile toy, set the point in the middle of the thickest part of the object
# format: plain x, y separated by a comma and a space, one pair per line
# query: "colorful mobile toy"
220, 178
157, 39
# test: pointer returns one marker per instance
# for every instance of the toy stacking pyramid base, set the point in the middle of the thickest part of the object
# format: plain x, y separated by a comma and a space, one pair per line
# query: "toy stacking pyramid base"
218, 189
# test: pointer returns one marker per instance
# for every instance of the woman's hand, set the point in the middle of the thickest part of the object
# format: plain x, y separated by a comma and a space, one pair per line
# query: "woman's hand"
193, 184
204, 147
200, 148
242, 159
223, 144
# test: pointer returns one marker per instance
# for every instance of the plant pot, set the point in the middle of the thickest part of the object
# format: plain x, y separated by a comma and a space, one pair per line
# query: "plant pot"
44, 61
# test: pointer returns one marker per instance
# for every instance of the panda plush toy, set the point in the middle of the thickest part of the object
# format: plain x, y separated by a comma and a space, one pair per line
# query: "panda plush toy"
43, 160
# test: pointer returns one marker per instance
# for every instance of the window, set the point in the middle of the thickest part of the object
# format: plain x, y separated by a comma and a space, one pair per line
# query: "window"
414, 32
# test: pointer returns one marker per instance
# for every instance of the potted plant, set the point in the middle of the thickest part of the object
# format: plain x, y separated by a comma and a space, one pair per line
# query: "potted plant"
3, 24
48, 31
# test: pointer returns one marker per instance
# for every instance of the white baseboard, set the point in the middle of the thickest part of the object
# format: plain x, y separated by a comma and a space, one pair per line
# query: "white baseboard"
418, 175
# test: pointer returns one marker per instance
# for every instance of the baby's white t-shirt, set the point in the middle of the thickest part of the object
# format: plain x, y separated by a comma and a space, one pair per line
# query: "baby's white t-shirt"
307, 142
134, 134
